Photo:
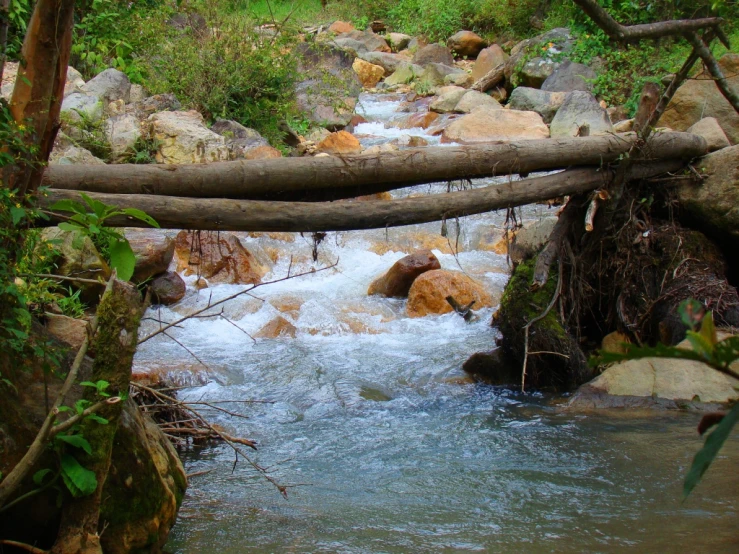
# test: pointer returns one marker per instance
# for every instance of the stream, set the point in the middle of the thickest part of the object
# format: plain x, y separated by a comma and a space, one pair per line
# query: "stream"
389, 446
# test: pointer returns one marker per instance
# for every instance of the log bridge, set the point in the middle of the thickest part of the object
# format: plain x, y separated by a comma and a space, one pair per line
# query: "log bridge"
304, 194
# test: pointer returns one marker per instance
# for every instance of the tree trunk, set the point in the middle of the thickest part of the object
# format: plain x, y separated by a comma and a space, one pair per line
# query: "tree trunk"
254, 215
334, 177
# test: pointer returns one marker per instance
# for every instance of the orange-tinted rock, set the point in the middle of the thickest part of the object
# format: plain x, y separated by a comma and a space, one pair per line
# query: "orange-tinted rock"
217, 257
153, 250
429, 291
487, 60
70, 331
466, 43
422, 120
278, 327
288, 304
167, 289
369, 74
340, 27
399, 278
490, 125
262, 153
339, 142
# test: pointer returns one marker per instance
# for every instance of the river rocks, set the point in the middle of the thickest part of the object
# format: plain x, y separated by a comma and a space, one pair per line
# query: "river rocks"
459, 79
417, 120
433, 53
398, 41
448, 99
167, 288
278, 327
369, 74
710, 129
489, 125
473, 99
546, 49
625, 126
699, 98
544, 103
339, 27
154, 104
261, 153
339, 142
399, 278
466, 44
243, 142
68, 330
410, 141
217, 257
404, 74
428, 293
569, 76
68, 154
388, 62
82, 104
153, 249
361, 42
110, 85
580, 115
535, 71
491, 368
184, 139
488, 59
122, 132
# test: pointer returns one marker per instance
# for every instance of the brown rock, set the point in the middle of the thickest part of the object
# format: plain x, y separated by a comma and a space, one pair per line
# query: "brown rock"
355, 120
429, 291
433, 53
262, 153
399, 278
369, 74
167, 289
153, 249
710, 129
466, 43
488, 59
278, 327
422, 120
614, 342
339, 142
340, 27
489, 125
217, 257
69, 330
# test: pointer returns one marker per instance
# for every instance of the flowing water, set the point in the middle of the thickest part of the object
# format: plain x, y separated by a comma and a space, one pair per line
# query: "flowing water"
389, 447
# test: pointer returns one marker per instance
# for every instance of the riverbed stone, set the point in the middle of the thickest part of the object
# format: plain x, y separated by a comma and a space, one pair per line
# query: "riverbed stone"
278, 327
398, 41
433, 53
168, 288
580, 115
242, 142
569, 76
183, 138
473, 99
388, 62
399, 278
448, 99
466, 44
339, 142
537, 70
154, 250
404, 74
412, 121
122, 131
110, 85
359, 42
710, 129
542, 102
488, 59
428, 293
340, 27
73, 155
81, 103
68, 330
489, 125
369, 74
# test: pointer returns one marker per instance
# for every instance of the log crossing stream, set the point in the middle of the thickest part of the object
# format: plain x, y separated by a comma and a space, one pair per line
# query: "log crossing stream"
393, 449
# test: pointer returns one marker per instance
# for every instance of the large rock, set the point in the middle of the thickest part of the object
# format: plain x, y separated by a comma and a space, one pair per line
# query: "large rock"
473, 99
580, 115
488, 59
217, 257
153, 249
448, 99
490, 125
241, 141
398, 41
543, 53
399, 278
68, 330
412, 121
536, 70
428, 293
433, 53
122, 132
710, 129
10, 72
388, 62
278, 327
466, 43
340, 27
369, 74
69, 154
361, 42
329, 90
699, 98
530, 99
569, 76
339, 142
184, 139
167, 289
82, 104
153, 104
109, 86
404, 74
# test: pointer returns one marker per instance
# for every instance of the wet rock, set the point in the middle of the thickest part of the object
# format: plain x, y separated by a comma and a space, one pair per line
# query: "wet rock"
340, 27
339, 142
68, 330
416, 120
428, 293
710, 129
399, 278
410, 141
398, 41
122, 132
448, 99
488, 59
153, 249
473, 99
369, 74
184, 139
167, 288
217, 257
580, 115
699, 98
433, 53
110, 85
466, 44
278, 327
489, 125
492, 368
544, 103
569, 76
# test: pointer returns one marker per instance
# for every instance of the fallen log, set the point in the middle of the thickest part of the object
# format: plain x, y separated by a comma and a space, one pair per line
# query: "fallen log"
333, 177
255, 215
491, 79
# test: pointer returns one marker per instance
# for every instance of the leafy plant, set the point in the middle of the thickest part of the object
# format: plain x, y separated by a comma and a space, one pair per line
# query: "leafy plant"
143, 151
89, 219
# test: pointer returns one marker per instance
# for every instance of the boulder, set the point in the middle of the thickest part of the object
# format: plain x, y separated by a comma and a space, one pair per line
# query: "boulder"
361, 42
110, 85
459, 79
399, 278
68, 330
431, 77
82, 104
153, 249
466, 44
122, 132
261, 153
535, 71
167, 288
489, 125
530, 99
157, 103
473, 99
339, 27
488, 59
73, 155
241, 141
569, 76
625, 126
369, 74
547, 49
580, 115
448, 99
433, 53
184, 139
137, 94
699, 98
417, 120
404, 74
339, 142
410, 141
398, 41
492, 368
278, 327
428, 293
10, 72
710, 129
217, 257
388, 62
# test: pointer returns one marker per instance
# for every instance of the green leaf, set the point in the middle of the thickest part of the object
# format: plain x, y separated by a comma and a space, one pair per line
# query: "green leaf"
79, 480
708, 329
707, 454
122, 259
97, 419
78, 441
727, 351
68, 206
65, 226
700, 344
38, 477
141, 215
17, 214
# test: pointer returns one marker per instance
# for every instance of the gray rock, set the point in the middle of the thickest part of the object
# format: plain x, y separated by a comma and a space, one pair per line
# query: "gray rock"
361, 42
433, 53
569, 76
404, 74
81, 104
547, 48
544, 103
157, 103
709, 129
122, 132
536, 71
430, 77
167, 288
109, 86
389, 62
473, 99
448, 99
580, 115
446, 70
137, 94
239, 139
353, 46
398, 41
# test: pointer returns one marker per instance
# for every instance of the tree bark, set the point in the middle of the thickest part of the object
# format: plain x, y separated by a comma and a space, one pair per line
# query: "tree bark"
490, 79
333, 177
252, 215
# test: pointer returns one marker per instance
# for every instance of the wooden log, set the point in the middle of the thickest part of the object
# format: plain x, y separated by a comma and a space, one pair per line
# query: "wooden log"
254, 215
490, 79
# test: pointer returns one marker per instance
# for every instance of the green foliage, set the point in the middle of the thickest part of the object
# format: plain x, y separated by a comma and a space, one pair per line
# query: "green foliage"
89, 219
143, 151
19, 12
90, 134
79, 480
